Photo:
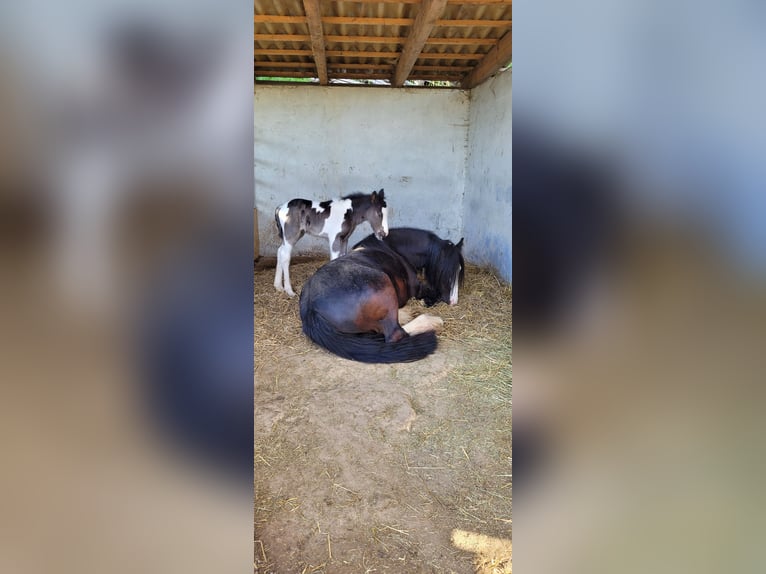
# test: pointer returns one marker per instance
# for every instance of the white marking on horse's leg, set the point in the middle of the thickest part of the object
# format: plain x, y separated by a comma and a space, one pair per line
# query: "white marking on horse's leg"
286, 268
422, 324
453, 292
283, 214
404, 316
278, 273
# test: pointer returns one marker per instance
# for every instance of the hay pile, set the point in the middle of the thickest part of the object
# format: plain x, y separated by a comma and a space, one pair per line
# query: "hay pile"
483, 312
277, 324
480, 322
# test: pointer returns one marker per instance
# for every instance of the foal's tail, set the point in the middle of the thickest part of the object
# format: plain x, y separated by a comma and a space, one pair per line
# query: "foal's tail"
366, 347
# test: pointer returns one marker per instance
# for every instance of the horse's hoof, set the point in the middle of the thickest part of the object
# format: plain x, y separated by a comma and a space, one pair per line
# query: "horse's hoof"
290, 292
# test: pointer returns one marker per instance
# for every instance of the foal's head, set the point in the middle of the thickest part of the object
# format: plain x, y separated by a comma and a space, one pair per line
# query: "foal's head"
377, 214
445, 271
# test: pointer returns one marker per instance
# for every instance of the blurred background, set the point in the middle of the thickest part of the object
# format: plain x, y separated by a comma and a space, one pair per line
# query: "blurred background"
639, 267
126, 187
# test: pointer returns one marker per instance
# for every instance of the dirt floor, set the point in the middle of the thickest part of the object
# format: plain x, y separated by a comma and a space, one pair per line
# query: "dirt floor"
383, 468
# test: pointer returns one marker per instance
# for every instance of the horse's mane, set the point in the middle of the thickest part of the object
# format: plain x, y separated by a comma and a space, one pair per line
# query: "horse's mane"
357, 195
437, 270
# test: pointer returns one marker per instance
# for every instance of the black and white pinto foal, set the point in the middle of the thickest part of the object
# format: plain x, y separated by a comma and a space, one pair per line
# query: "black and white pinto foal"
334, 219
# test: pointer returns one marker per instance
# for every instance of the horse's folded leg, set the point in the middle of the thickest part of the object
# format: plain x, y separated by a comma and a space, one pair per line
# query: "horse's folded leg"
395, 335
422, 324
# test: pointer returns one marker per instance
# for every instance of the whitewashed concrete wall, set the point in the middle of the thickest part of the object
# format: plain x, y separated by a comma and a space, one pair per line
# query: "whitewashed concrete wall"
323, 142
487, 203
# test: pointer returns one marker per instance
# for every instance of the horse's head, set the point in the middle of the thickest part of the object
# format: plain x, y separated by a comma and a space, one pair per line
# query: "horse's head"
377, 214
448, 269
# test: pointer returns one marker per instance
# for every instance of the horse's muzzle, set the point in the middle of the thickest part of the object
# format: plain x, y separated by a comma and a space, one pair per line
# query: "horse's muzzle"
381, 234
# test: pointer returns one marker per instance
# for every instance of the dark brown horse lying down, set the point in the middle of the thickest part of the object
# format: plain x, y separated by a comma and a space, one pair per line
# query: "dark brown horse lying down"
440, 260
350, 305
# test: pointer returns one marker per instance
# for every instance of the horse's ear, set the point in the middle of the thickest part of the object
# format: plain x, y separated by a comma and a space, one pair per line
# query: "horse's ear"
460, 243
374, 196
380, 193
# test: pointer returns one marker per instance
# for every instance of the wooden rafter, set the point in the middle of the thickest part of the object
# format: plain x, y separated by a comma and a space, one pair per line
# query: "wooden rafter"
365, 54
429, 13
282, 38
278, 19
358, 76
314, 17
348, 66
497, 57
423, 55
375, 40
429, 39
284, 74
283, 52
393, 40
414, 76
493, 2
272, 65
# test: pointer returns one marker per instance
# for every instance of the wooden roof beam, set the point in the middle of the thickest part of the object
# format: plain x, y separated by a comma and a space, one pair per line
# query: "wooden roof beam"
314, 16
281, 52
362, 54
396, 40
496, 58
423, 55
428, 15
508, 2
363, 21
374, 40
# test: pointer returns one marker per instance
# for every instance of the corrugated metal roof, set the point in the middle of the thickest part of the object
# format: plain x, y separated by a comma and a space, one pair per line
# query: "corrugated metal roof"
394, 40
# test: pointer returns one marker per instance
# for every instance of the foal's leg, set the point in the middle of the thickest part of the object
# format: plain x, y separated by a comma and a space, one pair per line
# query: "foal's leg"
283, 268
335, 246
278, 273
286, 269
